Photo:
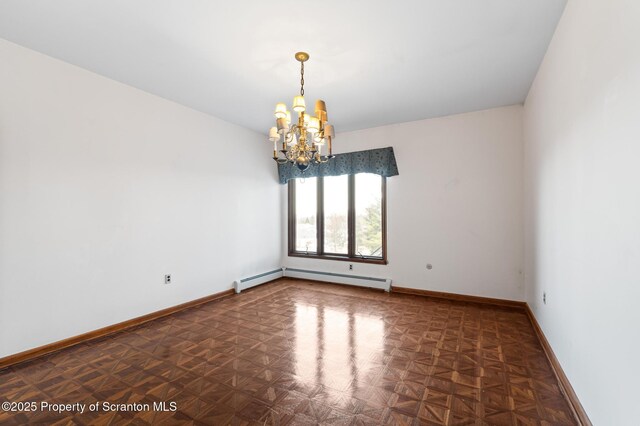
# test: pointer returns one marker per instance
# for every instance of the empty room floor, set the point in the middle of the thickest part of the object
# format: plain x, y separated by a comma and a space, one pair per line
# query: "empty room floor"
296, 352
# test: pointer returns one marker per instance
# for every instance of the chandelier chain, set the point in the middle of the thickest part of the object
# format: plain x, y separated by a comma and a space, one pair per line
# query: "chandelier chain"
301, 78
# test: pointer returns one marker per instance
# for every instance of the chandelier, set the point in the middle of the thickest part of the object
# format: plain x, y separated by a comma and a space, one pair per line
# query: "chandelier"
302, 141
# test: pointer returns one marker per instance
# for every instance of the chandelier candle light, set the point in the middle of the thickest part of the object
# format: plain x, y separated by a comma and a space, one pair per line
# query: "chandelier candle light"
303, 141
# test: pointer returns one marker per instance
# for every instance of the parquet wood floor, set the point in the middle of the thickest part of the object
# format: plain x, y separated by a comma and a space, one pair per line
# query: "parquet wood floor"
295, 352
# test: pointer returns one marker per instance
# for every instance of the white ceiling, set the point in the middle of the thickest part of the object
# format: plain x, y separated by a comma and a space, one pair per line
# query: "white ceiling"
373, 62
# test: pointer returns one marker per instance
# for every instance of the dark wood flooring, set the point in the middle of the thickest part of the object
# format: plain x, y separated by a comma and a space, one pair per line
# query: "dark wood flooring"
295, 352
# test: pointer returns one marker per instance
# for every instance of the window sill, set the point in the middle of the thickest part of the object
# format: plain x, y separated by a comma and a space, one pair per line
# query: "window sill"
375, 261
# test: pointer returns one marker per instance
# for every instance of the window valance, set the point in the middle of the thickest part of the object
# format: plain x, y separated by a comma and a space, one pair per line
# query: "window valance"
381, 161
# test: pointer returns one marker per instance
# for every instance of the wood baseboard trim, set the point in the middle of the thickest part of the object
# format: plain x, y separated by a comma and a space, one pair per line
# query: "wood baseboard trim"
565, 386
30, 354
460, 297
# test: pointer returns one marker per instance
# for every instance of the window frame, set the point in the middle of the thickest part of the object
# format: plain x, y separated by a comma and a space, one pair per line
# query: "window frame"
351, 224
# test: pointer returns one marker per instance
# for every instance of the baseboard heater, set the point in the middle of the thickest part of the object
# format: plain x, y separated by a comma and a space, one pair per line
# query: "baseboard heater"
372, 282
255, 280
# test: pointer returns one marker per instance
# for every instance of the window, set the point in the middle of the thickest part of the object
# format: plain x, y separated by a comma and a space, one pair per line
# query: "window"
338, 217
307, 217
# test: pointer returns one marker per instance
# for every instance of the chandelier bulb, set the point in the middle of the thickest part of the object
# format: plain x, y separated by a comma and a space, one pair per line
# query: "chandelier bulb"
281, 110
314, 125
299, 104
281, 124
273, 134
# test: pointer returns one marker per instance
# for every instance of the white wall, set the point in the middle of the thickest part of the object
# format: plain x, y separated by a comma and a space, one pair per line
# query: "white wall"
105, 188
582, 180
456, 204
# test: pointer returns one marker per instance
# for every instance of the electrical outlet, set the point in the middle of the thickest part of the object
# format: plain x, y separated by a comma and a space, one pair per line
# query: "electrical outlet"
351, 266
167, 279
544, 297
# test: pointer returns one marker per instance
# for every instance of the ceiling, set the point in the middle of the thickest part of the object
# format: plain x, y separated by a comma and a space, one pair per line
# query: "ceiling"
373, 62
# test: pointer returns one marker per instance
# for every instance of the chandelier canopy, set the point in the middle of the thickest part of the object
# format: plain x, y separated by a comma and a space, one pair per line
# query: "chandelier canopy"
302, 141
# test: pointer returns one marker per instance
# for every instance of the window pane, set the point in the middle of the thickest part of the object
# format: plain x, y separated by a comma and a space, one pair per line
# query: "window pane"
368, 215
336, 207
306, 211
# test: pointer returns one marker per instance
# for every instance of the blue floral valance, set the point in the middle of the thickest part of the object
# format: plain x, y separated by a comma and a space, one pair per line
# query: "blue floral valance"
379, 161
